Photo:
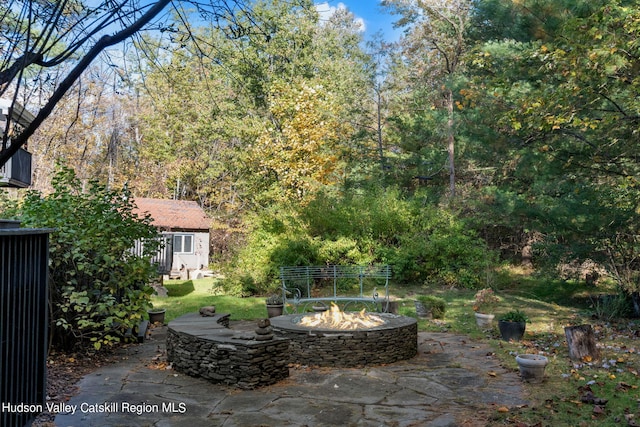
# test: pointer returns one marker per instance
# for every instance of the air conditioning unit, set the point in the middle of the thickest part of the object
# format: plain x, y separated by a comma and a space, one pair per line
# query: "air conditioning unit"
17, 171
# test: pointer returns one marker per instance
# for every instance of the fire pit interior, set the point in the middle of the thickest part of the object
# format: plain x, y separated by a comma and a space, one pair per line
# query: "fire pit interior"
347, 339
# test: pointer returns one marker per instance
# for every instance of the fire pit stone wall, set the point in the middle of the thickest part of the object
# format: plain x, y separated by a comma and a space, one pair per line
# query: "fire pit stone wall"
200, 347
396, 340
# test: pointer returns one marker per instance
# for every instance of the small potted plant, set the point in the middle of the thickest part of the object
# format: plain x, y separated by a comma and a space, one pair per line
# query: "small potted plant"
431, 307
275, 305
484, 305
156, 315
512, 325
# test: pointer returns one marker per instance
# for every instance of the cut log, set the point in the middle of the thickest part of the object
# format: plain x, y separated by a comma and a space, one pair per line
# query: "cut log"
582, 343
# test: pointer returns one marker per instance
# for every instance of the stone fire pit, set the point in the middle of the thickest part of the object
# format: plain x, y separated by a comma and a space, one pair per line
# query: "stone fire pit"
205, 347
395, 340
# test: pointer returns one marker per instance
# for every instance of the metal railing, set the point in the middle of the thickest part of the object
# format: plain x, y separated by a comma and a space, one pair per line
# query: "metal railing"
24, 255
163, 259
298, 281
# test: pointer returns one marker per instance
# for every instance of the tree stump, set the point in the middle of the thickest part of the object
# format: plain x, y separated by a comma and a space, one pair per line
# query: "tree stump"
582, 343
390, 307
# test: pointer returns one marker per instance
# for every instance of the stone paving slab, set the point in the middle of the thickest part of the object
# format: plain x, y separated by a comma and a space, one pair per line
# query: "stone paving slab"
446, 384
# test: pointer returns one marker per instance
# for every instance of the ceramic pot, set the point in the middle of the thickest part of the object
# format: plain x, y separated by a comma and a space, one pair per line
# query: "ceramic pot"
157, 316
275, 310
532, 367
484, 321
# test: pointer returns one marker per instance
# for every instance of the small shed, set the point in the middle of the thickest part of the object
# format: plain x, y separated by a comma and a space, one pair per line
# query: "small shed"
186, 226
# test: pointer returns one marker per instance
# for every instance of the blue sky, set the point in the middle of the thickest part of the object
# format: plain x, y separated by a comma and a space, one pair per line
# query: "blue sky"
369, 12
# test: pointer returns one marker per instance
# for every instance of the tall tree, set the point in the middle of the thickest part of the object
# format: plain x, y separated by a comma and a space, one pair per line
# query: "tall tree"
92, 130
195, 116
566, 106
381, 53
214, 101
41, 38
299, 150
433, 48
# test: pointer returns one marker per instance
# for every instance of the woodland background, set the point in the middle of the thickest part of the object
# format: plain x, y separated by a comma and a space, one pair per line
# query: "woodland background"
492, 131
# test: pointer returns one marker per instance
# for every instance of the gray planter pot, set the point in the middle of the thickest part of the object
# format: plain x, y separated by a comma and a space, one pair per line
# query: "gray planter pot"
484, 321
532, 367
275, 310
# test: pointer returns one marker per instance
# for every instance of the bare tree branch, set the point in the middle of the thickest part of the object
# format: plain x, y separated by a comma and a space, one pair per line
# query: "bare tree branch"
103, 43
60, 34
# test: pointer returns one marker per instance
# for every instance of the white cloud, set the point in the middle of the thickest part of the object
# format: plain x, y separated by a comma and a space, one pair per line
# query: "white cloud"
325, 10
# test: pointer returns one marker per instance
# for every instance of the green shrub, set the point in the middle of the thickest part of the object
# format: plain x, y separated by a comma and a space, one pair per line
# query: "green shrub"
439, 249
377, 215
421, 243
611, 307
255, 267
515, 316
98, 285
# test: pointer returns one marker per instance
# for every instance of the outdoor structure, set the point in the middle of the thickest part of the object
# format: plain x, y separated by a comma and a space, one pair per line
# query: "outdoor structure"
24, 260
204, 346
186, 226
393, 339
17, 171
306, 286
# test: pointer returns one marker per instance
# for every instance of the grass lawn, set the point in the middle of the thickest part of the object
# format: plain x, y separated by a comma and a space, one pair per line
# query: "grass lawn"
575, 393
190, 295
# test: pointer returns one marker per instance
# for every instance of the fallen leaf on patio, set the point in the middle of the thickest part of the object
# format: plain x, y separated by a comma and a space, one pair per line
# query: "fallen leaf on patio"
598, 410
503, 409
159, 366
492, 374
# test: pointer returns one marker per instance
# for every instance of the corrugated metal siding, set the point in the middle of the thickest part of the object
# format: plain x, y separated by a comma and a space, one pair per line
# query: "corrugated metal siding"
24, 258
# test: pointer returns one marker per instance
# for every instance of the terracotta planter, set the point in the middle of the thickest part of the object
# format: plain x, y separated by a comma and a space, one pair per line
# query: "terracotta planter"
511, 330
532, 367
484, 321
